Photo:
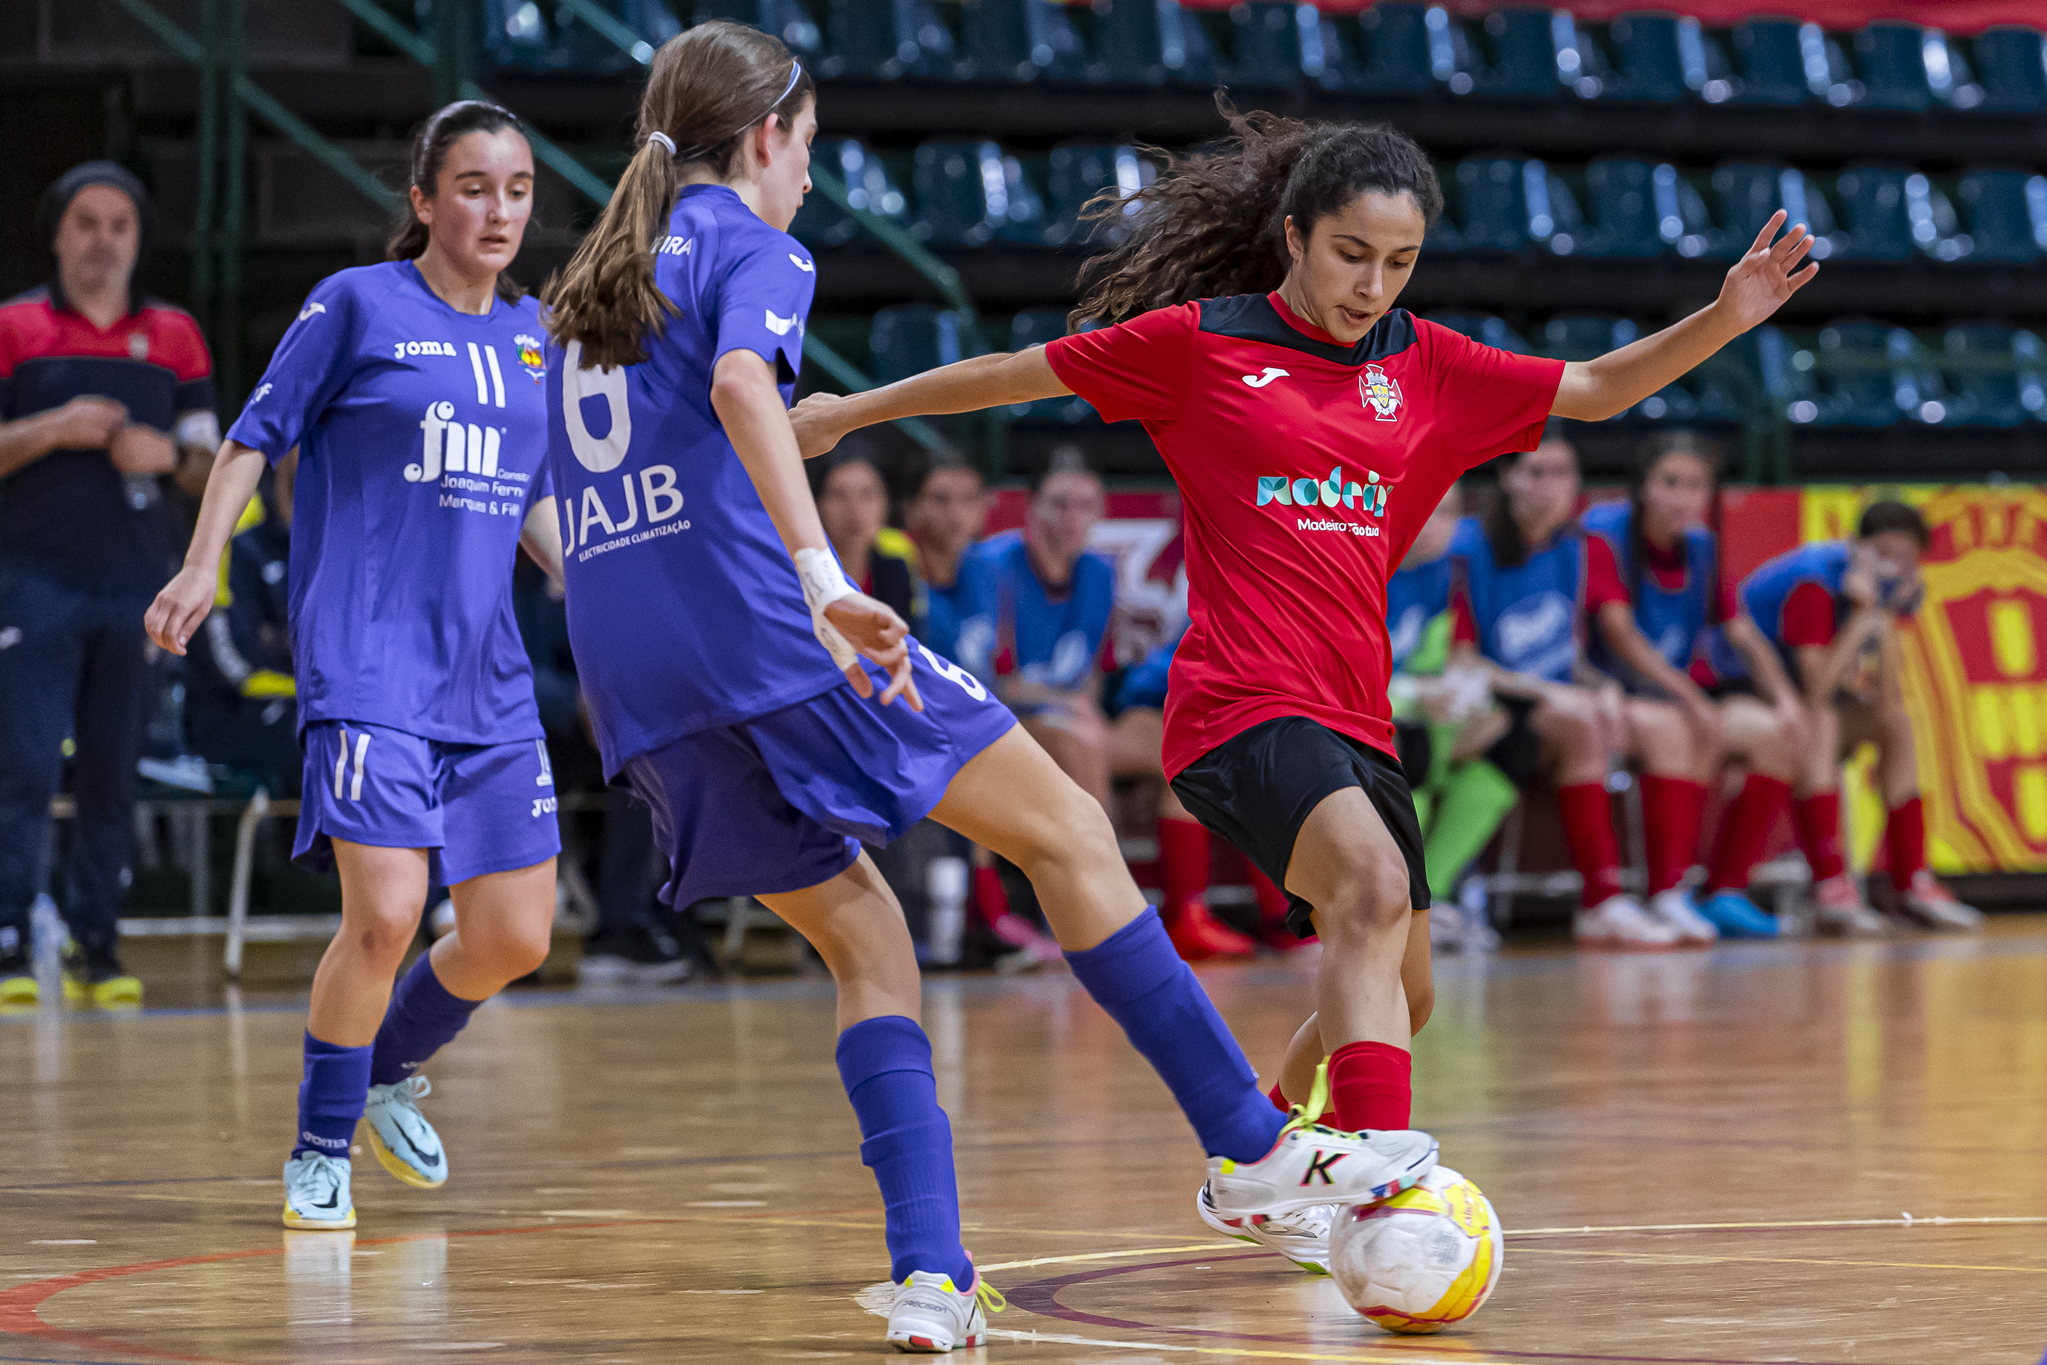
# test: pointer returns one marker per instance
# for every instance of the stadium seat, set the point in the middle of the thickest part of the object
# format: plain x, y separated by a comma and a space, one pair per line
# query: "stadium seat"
2010, 66
1076, 173
1483, 328
1873, 201
1861, 381
1981, 364
1520, 56
961, 191
1648, 59
1034, 327
1682, 218
1128, 49
1185, 49
1492, 203
1749, 193
911, 339
519, 35
1022, 40
1385, 50
1621, 197
1769, 66
788, 20
1266, 43
1554, 217
820, 224
1890, 59
885, 39
1586, 336
2006, 215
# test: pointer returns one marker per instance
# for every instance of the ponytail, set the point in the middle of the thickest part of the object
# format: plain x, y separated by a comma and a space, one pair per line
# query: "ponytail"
442, 130
706, 90
1214, 223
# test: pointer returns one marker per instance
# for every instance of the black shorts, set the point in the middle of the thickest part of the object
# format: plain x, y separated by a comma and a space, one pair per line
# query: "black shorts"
1258, 789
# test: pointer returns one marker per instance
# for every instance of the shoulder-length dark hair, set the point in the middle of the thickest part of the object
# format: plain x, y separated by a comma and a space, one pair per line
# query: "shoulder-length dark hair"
1653, 450
442, 130
1510, 547
707, 88
1214, 223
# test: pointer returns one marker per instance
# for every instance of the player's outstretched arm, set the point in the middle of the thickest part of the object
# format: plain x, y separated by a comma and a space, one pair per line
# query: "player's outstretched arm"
849, 624
987, 381
1756, 287
185, 600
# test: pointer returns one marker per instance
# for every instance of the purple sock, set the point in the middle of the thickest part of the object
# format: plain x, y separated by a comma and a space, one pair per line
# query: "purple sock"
423, 1018
1136, 976
331, 1096
886, 1066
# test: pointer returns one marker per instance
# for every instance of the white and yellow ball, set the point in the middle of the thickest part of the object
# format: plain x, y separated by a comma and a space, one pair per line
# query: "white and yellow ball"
1422, 1260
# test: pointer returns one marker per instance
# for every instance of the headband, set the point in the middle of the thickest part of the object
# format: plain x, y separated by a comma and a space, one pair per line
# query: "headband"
795, 75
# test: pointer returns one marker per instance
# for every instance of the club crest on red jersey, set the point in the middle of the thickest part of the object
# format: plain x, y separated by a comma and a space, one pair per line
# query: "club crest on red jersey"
1380, 392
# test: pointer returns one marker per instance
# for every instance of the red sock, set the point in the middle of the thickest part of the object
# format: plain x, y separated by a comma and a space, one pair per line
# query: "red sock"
1272, 902
1819, 834
990, 900
1588, 830
1183, 862
1371, 1085
1744, 829
1905, 841
1278, 1100
1672, 810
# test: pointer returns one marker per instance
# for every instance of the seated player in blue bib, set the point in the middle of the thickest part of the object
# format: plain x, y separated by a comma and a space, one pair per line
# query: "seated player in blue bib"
945, 521
411, 392
1520, 576
773, 716
1654, 595
1830, 609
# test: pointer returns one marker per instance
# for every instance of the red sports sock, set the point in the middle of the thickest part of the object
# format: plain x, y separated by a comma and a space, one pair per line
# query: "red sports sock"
1272, 902
1588, 830
1744, 829
990, 900
1819, 834
1905, 841
1371, 1085
1672, 809
1279, 1101
1183, 863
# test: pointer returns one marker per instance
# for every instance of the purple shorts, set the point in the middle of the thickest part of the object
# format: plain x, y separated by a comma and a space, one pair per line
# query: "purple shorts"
475, 808
783, 801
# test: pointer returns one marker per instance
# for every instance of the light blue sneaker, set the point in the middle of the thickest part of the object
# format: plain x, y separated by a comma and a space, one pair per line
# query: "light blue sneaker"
405, 1143
316, 1193
1736, 916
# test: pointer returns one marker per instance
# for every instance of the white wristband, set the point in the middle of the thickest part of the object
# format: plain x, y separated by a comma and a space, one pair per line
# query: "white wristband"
824, 583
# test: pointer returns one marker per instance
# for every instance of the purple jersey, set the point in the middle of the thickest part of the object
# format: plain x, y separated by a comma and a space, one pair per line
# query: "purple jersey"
421, 433
685, 612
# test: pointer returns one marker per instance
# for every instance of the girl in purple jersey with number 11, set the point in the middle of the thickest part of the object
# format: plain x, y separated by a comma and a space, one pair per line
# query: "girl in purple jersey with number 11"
411, 393
773, 717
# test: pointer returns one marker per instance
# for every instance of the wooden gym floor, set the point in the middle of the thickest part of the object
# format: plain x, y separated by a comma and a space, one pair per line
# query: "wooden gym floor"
1763, 1153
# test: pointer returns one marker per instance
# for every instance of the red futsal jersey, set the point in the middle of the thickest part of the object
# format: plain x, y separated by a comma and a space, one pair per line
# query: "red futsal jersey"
1306, 469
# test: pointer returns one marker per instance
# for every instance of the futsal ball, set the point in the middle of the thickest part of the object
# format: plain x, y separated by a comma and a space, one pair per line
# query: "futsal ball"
1421, 1260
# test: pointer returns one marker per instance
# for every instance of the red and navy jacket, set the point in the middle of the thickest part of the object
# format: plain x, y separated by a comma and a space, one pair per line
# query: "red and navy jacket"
71, 516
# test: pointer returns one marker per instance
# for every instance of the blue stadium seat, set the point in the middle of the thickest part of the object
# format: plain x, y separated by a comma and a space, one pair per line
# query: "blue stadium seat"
1922, 390
1483, 328
2006, 214
820, 224
1492, 202
1266, 43
1034, 327
911, 339
2029, 356
788, 20
1586, 336
1384, 50
1750, 192
884, 39
1769, 64
1862, 382
1022, 40
1128, 49
1648, 61
1520, 56
1076, 173
1554, 217
1682, 218
1621, 196
962, 193
1981, 364
1873, 201
520, 35
1890, 58
1184, 47
2012, 70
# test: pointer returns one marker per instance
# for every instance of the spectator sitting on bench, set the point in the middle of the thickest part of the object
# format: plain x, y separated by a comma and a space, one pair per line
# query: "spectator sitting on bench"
852, 503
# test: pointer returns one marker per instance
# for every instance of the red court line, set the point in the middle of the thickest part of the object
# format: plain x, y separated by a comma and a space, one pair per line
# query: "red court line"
21, 1306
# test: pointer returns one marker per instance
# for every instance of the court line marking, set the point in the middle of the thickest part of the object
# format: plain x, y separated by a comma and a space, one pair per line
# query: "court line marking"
1697, 1258
1905, 1222
1406, 1352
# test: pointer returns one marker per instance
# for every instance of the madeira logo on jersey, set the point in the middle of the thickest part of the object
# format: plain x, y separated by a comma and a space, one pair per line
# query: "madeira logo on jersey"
1259, 381
530, 357
1334, 491
1380, 392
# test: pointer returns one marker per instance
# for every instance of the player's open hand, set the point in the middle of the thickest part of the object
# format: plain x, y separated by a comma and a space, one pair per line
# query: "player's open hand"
818, 425
873, 628
179, 608
1769, 274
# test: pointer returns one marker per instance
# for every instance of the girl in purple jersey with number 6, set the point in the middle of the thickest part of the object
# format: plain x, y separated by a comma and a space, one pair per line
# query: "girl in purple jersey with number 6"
773, 717
411, 392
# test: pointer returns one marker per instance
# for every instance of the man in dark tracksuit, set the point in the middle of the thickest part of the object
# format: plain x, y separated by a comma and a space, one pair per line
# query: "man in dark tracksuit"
241, 700
103, 393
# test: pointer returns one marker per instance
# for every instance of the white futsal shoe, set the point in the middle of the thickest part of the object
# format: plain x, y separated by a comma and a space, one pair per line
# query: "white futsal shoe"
932, 1316
405, 1143
316, 1197
1620, 923
1675, 909
1302, 1235
1311, 1164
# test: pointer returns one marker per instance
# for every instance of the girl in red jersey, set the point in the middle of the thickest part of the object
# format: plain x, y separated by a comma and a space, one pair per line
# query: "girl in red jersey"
1312, 426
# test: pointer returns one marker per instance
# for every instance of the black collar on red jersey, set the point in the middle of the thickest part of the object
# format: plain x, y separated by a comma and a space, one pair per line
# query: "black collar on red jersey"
1251, 317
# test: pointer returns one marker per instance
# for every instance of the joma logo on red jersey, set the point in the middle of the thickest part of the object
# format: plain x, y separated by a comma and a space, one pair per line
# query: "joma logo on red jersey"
1334, 491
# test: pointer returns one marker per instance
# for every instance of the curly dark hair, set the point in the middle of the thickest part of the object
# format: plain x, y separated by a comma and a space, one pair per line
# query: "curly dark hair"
1213, 223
